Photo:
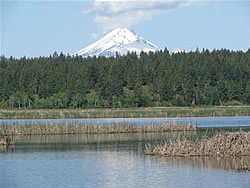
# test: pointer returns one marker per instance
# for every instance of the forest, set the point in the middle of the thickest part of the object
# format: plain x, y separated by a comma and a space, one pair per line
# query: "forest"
161, 79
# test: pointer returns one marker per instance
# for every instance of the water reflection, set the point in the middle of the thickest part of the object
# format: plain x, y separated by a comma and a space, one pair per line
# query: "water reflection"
225, 163
94, 142
132, 142
111, 160
3, 149
100, 138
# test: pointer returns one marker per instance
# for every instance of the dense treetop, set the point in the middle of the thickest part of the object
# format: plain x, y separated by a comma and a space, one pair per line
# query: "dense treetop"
155, 79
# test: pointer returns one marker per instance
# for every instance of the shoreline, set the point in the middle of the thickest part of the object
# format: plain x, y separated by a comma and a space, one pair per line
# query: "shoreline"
149, 112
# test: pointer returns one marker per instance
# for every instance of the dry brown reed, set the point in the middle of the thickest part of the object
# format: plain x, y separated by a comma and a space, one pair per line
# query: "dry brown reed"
220, 145
78, 128
3, 141
6, 140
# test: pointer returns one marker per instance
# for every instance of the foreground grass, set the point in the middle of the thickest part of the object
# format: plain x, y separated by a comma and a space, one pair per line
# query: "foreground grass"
79, 128
126, 112
219, 145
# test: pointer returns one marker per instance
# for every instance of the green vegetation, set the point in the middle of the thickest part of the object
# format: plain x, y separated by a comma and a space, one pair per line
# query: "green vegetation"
125, 112
79, 128
161, 79
219, 145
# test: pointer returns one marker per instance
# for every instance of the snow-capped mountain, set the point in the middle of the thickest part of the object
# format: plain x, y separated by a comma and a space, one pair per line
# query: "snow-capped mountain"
176, 50
121, 40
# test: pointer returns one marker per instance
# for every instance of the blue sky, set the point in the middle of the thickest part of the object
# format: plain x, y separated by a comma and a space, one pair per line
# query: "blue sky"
38, 28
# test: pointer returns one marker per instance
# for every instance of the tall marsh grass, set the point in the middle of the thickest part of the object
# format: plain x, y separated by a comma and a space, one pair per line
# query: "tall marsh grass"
6, 140
79, 128
219, 145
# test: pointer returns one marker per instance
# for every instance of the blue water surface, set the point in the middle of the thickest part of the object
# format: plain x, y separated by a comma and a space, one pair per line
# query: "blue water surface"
197, 121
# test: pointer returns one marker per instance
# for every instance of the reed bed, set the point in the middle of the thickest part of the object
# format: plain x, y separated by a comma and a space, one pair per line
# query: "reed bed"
219, 145
78, 128
6, 140
3, 140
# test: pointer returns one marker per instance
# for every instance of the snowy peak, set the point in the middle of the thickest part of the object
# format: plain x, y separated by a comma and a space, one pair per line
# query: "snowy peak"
121, 40
122, 36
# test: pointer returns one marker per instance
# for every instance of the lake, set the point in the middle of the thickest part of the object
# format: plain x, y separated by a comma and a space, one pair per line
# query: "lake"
197, 121
114, 160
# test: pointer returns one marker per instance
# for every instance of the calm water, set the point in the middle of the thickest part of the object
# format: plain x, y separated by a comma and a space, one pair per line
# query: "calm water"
198, 121
114, 160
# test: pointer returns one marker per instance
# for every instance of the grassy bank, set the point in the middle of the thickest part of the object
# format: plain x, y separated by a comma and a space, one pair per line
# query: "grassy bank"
219, 145
78, 128
126, 112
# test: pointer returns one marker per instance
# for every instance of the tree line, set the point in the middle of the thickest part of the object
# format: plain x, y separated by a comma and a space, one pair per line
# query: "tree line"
219, 77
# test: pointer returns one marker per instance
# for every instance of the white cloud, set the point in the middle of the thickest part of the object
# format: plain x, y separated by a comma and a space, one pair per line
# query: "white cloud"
111, 14
122, 20
94, 36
